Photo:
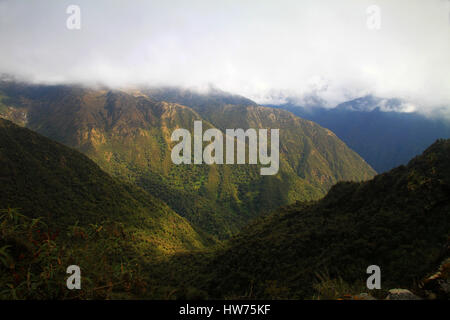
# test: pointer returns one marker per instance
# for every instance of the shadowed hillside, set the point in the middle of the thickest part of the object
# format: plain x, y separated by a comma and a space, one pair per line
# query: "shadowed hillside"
398, 220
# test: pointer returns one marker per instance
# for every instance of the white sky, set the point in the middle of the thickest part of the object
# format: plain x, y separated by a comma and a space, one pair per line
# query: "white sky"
260, 49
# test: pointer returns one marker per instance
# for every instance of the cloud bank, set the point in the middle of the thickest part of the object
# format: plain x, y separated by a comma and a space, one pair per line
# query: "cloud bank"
265, 50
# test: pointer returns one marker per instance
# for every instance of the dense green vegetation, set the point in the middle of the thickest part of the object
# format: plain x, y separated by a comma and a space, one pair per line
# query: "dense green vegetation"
34, 258
59, 208
127, 133
398, 220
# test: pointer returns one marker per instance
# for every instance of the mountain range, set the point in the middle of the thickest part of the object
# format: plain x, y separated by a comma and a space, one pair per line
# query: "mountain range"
86, 179
127, 133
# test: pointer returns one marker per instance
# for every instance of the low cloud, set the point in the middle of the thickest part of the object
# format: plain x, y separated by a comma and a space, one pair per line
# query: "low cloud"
265, 50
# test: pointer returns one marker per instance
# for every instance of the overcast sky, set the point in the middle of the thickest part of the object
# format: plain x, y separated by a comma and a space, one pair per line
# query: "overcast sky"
260, 49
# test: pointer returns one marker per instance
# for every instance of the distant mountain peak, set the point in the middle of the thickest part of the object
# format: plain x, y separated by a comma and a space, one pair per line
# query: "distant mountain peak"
370, 103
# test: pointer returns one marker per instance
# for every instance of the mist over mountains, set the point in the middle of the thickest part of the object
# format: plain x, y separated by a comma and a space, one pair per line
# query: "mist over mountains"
296, 46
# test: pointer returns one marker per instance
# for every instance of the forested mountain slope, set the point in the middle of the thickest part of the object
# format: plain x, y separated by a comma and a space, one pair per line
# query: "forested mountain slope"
399, 221
43, 178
